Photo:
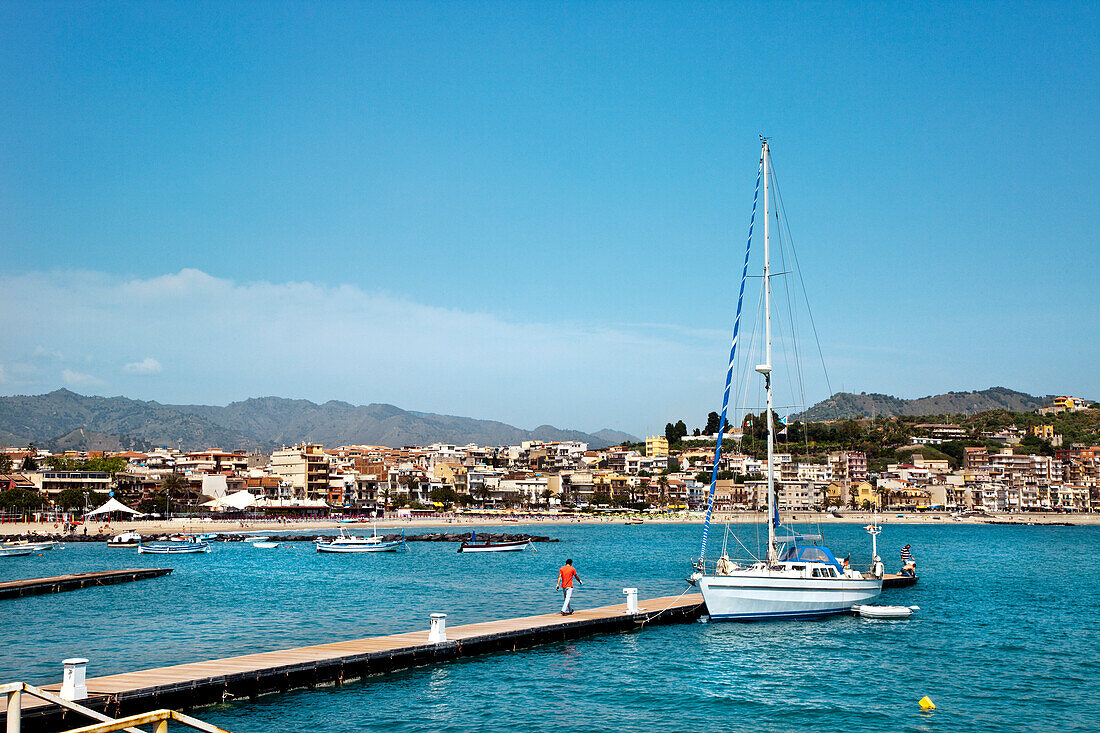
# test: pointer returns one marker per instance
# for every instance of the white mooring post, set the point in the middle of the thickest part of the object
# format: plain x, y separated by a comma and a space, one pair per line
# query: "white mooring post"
14, 712
631, 600
438, 632
73, 685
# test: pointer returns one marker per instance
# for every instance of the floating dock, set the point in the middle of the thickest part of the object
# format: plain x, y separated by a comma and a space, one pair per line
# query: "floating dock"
59, 583
897, 580
185, 686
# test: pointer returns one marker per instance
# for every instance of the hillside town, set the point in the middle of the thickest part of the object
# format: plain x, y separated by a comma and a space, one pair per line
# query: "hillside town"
1001, 473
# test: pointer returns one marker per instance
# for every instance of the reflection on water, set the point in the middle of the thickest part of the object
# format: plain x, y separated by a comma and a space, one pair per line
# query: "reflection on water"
1005, 639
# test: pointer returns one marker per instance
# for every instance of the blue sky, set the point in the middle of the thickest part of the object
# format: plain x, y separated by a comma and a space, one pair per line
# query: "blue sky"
535, 212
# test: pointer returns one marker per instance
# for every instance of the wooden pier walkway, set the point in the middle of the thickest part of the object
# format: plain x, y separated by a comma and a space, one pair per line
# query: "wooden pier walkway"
59, 583
192, 685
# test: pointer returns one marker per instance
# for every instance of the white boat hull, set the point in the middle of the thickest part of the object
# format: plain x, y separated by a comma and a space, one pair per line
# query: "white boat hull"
183, 549
377, 547
499, 547
884, 611
762, 597
16, 551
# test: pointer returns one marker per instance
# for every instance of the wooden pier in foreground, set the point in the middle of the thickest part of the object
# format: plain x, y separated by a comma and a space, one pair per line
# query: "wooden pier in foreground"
185, 686
73, 581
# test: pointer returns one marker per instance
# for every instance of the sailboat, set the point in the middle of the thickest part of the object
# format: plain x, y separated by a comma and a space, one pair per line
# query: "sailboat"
798, 578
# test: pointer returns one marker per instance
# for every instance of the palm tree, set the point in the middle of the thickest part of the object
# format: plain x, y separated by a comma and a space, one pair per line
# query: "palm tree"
883, 497
482, 492
662, 492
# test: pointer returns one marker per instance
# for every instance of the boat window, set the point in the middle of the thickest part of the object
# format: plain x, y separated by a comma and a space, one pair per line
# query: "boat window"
798, 567
817, 572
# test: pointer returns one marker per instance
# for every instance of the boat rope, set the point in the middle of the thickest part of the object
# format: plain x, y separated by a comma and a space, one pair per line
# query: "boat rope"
647, 619
729, 369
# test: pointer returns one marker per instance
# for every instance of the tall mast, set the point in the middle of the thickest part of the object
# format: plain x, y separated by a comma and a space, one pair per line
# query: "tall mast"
766, 368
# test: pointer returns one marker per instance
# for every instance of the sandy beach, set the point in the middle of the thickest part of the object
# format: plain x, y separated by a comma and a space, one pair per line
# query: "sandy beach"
162, 526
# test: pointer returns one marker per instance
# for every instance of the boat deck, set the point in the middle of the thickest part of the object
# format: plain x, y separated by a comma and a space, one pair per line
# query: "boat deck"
192, 685
74, 581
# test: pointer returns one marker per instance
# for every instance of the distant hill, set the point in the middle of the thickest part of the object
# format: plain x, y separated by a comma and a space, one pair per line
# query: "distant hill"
843, 405
65, 419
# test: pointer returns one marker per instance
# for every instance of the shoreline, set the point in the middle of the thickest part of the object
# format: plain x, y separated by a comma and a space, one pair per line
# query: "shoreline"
187, 526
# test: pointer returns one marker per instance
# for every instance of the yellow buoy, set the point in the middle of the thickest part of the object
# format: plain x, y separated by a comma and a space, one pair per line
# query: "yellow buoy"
926, 704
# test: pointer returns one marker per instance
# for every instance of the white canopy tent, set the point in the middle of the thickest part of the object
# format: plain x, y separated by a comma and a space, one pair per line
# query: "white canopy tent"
112, 505
239, 500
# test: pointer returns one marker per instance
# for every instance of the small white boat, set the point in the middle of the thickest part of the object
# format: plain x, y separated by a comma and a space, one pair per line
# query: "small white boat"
126, 539
185, 547
16, 550
34, 546
350, 543
265, 544
472, 545
867, 611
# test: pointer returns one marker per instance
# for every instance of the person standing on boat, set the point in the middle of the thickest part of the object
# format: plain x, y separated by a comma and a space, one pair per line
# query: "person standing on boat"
909, 565
566, 576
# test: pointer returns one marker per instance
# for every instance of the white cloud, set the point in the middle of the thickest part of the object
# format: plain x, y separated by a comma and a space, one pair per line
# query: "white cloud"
228, 341
148, 365
42, 351
76, 379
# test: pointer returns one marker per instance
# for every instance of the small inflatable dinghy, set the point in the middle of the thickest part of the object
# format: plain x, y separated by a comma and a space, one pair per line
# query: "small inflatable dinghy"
885, 611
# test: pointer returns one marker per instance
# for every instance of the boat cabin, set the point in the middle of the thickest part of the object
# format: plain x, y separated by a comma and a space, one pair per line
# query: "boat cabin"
812, 554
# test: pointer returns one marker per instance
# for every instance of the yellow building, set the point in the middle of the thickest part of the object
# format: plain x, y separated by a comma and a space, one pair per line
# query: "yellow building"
860, 492
656, 446
1069, 403
1046, 432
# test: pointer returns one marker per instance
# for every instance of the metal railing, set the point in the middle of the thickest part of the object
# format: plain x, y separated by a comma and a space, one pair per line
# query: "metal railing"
14, 692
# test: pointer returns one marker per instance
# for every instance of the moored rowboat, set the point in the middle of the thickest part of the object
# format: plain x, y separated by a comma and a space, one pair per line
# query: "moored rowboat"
173, 548
490, 546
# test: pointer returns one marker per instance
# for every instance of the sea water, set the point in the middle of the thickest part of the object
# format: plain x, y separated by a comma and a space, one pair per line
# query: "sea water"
1006, 638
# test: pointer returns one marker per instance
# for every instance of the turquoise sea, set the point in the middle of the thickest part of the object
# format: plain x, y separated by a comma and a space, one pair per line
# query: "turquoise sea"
1007, 638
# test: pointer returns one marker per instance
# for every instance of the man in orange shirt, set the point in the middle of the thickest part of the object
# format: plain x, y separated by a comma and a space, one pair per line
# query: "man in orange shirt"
566, 576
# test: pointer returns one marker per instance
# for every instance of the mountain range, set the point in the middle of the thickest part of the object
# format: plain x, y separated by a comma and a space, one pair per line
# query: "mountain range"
64, 419
844, 405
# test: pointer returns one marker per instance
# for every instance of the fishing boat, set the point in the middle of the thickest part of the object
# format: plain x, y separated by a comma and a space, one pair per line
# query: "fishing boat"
173, 548
16, 550
186, 546
265, 544
33, 546
350, 543
125, 539
194, 537
473, 545
797, 578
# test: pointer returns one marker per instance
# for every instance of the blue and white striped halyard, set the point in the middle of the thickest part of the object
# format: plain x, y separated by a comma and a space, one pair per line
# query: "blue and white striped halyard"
729, 369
